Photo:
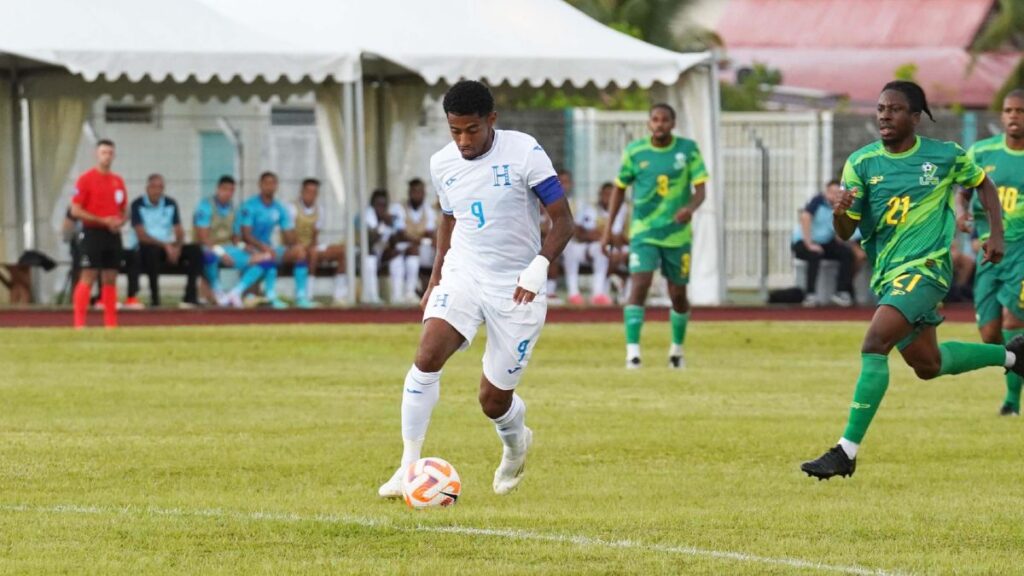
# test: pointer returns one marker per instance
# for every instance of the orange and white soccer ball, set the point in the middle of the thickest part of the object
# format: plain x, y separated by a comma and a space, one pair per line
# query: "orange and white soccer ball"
431, 483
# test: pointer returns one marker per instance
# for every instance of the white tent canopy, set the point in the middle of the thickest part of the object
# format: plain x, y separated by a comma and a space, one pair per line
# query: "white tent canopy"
499, 41
258, 48
521, 43
176, 41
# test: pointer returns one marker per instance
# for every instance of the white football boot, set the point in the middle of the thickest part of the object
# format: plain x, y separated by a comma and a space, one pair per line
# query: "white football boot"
512, 468
393, 487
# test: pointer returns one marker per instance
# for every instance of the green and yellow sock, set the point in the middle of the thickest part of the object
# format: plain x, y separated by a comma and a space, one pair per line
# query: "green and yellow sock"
634, 320
678, 322
871, 387
960, 357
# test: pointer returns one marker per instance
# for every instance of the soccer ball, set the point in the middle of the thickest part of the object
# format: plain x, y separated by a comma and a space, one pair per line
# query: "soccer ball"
431, 483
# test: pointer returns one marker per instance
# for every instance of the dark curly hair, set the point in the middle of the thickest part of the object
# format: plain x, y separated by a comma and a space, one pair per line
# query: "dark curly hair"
468, 97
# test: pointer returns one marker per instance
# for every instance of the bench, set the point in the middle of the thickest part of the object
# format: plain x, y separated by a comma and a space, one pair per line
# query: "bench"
826, 287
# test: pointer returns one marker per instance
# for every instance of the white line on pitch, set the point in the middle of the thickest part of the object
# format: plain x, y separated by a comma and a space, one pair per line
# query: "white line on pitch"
581, 541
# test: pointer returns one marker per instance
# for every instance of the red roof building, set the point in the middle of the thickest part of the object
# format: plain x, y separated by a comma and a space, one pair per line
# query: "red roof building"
853, 47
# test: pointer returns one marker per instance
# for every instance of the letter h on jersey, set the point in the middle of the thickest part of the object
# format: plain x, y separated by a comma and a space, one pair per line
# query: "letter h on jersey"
499, 176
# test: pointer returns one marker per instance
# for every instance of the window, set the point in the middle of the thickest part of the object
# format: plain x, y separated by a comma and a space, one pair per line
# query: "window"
292, 116
129, 114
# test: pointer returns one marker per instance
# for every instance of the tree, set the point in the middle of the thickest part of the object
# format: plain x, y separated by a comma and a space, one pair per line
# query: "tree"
649, 20
751, 88
1005, 29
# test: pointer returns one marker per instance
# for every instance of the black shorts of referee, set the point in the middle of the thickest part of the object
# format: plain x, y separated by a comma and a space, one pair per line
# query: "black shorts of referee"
101, 249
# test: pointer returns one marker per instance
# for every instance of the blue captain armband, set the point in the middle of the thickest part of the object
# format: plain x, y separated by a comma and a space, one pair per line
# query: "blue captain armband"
549, 191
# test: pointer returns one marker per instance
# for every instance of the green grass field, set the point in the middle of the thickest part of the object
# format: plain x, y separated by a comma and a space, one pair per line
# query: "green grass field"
250, 450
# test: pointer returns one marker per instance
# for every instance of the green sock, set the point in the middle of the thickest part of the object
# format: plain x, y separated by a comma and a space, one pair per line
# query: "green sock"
678, 326
871, 387
1013, 382
634, 318
960, 357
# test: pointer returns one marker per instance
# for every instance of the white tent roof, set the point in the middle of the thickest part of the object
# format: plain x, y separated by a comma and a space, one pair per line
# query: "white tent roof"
522, 41
179, 41
514, 41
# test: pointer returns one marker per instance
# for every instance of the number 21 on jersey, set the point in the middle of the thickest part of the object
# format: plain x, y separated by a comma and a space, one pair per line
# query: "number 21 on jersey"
898, 208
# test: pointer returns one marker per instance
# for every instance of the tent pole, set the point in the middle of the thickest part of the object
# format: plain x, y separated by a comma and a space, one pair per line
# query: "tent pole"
718, 180
382, 135
360, 124
28, 210
351, 208
16, 132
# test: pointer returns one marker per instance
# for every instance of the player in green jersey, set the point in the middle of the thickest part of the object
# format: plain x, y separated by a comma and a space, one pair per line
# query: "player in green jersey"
667, 175
899, 192
999, 288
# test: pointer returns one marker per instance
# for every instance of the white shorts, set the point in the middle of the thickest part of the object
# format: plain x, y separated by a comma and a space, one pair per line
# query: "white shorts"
512, 329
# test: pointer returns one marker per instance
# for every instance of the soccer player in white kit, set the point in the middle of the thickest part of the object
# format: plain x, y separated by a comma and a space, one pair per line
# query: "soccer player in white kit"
490, 268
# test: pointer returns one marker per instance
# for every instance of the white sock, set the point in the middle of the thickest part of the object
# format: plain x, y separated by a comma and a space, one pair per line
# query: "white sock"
412, 274
1011, 359
675, 350
341, 287
571, 257
419, 396
512, 426
632, 351
849, 447
552, 287
599, 278
371, 291
396, 273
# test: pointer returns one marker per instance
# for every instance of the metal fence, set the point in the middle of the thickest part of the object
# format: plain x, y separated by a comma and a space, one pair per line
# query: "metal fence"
191, 144
758, 226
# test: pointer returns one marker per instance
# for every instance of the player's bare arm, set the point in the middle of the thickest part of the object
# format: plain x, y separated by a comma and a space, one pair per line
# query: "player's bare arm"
203, 235
444, 243
994, 247
562, 228
963, 210
251, 240
844, 225
685, 213
614, 204
290, 239
805, 228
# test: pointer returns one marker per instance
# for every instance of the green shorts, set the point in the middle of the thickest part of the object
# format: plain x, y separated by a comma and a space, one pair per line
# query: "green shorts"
673, 261
986, 293
917, 297
998, 286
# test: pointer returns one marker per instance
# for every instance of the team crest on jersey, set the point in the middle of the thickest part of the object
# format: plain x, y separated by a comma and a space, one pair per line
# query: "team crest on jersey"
680, 161
928, 177
119, 196
990, 169
644, 164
